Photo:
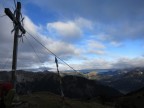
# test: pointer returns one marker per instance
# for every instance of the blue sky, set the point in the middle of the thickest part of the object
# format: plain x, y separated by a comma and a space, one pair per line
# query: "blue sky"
86, 34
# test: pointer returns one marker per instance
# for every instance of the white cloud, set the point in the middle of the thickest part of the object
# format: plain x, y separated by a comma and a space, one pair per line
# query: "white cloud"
28, 24
93, 64
71, 30
95, 47
6, 39
98, 52
84, 23
95, 44
67, 30
127, 62
115, 43
101, 63
61, 48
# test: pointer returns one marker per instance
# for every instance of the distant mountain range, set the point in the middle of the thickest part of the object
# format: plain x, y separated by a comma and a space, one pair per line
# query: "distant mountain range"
124, 80
85, 71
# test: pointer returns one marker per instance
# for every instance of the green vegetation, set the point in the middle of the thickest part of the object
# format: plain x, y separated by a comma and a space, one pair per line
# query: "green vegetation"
49, 100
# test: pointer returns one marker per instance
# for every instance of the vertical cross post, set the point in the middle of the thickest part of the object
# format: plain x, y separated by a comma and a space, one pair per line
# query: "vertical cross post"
18, 26
15, 44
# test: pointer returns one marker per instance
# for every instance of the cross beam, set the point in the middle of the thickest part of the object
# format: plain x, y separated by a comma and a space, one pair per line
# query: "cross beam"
15, 21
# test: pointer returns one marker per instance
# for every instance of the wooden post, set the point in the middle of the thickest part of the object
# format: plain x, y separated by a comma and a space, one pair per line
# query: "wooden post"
16, 21
15, 44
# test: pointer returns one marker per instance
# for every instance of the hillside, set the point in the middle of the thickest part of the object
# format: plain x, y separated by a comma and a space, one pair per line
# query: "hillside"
132, 100
49, 100
73, 86
81, 87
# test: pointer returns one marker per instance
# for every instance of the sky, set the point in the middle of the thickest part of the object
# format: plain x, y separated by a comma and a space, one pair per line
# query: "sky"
86, 34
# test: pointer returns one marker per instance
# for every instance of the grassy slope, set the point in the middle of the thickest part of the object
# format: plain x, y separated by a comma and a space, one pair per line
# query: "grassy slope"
135, 100
49, 100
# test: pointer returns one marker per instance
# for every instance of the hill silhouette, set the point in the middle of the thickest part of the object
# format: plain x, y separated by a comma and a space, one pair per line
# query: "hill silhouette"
131, 100
73, 86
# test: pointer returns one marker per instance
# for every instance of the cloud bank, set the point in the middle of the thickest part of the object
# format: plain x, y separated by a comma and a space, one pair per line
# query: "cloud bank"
82, 33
